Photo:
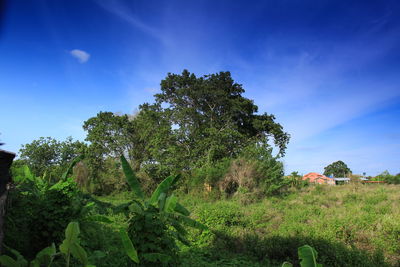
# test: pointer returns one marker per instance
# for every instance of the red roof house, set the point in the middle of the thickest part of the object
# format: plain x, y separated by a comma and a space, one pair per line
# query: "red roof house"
314, 177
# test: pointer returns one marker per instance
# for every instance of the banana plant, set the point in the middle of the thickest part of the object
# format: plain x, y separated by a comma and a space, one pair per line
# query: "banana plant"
167, 204
307, 255
69, 247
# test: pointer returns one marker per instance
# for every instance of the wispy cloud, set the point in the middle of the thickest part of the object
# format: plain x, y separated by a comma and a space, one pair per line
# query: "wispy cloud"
81, 55
313, 92
124, 12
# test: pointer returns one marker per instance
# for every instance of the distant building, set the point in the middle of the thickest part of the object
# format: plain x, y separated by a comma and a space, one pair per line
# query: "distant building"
341, 180
317, 178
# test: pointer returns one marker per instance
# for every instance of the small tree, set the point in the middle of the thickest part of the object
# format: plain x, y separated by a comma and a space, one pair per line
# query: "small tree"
337, 169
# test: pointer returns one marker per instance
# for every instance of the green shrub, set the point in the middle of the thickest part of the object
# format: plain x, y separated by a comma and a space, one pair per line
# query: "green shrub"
155, 224
39, 211
35, 219
210, 173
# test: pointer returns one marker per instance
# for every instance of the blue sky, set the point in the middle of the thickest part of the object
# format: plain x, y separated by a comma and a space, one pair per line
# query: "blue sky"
328, 70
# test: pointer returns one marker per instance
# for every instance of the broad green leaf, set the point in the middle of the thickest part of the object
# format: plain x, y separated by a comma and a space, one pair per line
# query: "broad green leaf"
20, 259
45, 256
308, 256
7, 261
28, 174
128, 246
71, 166
163, 187
79, 253
181, 209
135, 208
161, 201
131, 178
170, 203
71, 237
287, 264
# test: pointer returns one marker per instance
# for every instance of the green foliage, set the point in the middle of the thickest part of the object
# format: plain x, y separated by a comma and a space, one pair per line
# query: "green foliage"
337, 169
71, 166
388, 178
194, 121
71, 245
49, 155
39, 212
45, 257
109, 134
128, 246
210, 173
155, 223
214, 119
255, 171
149, 233
295, 180
131, 178
345, 233
308, 256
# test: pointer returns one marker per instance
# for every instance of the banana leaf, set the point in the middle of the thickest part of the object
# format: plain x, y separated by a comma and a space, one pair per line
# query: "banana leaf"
308, 256
128, 246
131, 178
71, 166
163, 187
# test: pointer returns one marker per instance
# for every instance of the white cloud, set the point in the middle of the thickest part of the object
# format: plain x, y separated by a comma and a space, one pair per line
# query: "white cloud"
81, 55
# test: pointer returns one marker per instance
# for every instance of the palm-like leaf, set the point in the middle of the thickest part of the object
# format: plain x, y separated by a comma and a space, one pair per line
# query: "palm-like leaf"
170, 203
131, 178
181, 209
7, 261
128, 246
71, 237
163, 187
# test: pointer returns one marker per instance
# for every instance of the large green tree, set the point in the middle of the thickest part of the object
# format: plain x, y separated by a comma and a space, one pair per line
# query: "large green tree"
212, 119
337, 169
194, 120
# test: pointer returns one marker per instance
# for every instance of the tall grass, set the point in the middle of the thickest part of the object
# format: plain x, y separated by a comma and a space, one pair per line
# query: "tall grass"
350, 225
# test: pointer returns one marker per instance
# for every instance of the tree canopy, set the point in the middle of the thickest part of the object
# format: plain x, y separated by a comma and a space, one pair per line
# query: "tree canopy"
193, 120
213, 117
337, 169
43, 153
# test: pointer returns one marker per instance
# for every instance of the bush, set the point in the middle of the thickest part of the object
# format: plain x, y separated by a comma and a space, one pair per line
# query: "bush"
256, 170
150, 235
109, 180
388, 178
38, 214
210, 174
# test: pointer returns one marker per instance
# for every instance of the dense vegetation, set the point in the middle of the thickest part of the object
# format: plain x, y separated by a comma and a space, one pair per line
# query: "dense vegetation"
202, 143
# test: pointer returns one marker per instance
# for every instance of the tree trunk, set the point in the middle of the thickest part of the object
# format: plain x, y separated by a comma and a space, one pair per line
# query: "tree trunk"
6, 159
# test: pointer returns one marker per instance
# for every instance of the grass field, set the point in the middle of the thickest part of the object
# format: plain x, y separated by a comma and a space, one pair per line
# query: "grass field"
349, 225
